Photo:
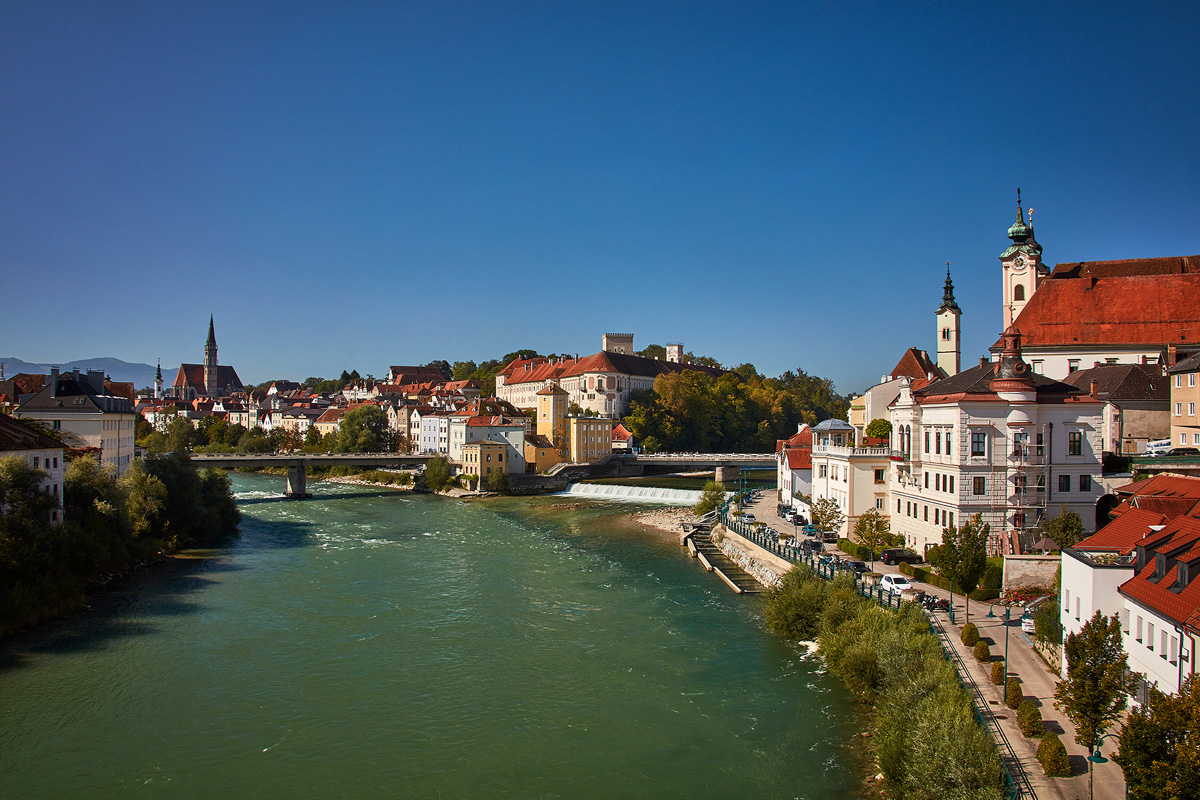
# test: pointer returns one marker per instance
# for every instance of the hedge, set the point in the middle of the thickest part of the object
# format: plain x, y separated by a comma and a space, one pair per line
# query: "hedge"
1013, 694
983, 653
925, 575
999, 671
970, 634
857, 550
1053, 757
1029, 719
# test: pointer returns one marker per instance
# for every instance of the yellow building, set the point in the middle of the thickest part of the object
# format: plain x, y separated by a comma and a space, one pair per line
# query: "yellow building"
590, 438
484, 457
540, 453
552, 418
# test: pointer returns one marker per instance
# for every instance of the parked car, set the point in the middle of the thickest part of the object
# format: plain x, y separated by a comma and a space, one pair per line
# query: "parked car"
748, 517
896, 584
894, 555
1027, 623
1184, 451
857, 567
829, 537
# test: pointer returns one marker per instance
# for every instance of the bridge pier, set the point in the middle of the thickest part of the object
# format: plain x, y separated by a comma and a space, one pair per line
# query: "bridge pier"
297, 482
726, 474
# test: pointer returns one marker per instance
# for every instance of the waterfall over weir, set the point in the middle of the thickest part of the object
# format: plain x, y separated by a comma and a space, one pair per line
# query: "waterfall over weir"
636, 494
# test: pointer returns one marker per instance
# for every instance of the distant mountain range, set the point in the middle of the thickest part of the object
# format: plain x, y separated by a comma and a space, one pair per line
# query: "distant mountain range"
140, 375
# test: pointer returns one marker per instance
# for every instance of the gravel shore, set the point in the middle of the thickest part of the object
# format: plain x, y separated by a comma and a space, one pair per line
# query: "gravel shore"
665, 519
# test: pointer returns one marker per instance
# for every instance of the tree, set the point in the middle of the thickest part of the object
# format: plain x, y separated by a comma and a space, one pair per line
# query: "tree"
437, 473
962, 556
363, 429
1066, 529
443, 367
145, 499
826, 514
462, 370
1098, 679
497, 481
655, 351
873, 531
1160, 745
880, 429
711, 497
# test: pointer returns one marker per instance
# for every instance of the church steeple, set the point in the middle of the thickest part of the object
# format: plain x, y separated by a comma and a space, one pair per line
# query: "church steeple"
1021, 265
949, 330
210, 361
158, 381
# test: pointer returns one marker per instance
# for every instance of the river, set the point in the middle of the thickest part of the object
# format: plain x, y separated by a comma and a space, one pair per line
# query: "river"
387, 644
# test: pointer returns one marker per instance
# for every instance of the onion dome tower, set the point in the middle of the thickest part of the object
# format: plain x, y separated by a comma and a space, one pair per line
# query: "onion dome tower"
1022, 266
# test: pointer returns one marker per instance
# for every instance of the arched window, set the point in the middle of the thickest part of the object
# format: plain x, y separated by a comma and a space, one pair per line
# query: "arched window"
1019, 292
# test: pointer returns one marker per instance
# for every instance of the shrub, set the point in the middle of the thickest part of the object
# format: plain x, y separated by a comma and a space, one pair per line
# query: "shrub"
1013, 694
999, 671
970, 634
1029, 719
1053, 757
983, 653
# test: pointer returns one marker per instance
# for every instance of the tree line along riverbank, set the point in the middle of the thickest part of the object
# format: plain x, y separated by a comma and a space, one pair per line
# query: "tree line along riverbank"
112, 525
923, 734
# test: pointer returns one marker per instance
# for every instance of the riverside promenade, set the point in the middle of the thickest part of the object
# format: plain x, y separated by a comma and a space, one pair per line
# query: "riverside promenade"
1038, 682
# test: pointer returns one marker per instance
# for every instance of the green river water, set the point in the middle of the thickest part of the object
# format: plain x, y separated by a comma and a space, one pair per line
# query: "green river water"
365, 644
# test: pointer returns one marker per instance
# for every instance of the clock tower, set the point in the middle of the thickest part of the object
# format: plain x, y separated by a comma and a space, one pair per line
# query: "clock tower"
1022, 266
949, 330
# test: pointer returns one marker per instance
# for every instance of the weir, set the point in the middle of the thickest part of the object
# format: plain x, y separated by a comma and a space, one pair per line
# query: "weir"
638, 494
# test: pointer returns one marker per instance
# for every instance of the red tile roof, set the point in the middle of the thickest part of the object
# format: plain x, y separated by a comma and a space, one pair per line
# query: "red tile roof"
799, 458
1176, 603
915, 364
1162, 486
1148, 301
621, 433
540, 370
1123, 532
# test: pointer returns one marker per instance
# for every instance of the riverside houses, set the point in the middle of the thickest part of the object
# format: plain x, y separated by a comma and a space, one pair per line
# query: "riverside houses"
995, 440
38, 451
853, 477
78, 405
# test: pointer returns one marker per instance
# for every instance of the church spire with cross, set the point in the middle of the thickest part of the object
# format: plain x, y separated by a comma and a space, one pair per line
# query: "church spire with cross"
949, 330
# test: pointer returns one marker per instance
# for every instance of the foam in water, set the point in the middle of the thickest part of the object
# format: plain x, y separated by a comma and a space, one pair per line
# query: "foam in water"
638, 494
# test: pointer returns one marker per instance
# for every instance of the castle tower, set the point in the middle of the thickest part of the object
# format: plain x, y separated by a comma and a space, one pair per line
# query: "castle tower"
617, 343
949, 330
675, 352
158, 381
1022, 266
210, 361
552, 416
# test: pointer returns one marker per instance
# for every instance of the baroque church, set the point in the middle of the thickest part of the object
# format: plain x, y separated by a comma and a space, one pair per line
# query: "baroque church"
207, 380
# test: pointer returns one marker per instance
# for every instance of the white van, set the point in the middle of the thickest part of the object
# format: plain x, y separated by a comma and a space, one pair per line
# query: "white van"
1158, 447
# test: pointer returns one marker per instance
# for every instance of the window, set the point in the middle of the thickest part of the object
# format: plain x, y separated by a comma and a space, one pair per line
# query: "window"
1085, 483
937, 442
1139, 629
1191, 379
1149, 636
1073, 365
979, 443
1064, 483
1179, 409
926, 442
951, 484
879, 503
980, 486
821, 471
937, 516
951, 519
1018, 292
897, 505
1075, 443
937, 481
927, 513
879, 476
946, 334
1191, 409
36, 461
1076, 608
926, 480
1041, 441
1162, 644
1039, 366
1179, 381
1195, 440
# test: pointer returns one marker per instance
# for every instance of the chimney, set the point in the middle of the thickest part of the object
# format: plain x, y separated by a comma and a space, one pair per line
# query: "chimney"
1145, 361
983, 361
1172, 355
1094, 388
54, 381
1095, 364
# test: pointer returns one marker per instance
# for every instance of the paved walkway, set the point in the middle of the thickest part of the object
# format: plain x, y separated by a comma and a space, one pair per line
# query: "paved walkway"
1037, 681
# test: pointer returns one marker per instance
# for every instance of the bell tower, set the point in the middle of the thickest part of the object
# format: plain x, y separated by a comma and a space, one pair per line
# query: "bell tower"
210, 361
949, 330
1022, 266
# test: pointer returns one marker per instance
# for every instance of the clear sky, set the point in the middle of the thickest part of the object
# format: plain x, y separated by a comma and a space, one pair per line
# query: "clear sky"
354, 185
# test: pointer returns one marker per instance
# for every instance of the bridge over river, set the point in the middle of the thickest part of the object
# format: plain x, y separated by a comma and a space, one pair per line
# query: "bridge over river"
725, 465
297, 484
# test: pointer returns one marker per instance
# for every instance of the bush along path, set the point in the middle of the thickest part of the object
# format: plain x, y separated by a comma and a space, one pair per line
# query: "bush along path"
927, 740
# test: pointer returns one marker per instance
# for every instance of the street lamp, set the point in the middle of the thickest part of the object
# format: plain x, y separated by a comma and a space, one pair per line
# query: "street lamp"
1007, 616
1096, 758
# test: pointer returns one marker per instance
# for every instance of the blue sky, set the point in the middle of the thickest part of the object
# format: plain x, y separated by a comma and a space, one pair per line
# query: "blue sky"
354, 185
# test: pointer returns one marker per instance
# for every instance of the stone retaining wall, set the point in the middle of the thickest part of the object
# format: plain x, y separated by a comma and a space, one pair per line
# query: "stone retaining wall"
765, 567
1030, 570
